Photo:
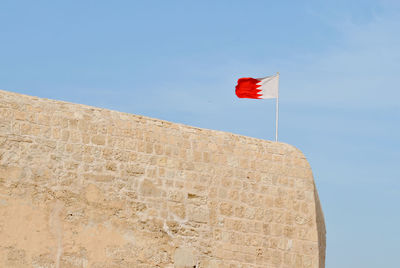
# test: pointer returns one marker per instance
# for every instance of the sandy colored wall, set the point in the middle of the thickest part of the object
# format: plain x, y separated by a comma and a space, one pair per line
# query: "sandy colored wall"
88, 187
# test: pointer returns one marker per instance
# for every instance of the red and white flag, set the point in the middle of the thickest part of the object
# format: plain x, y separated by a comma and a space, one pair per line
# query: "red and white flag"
258, 88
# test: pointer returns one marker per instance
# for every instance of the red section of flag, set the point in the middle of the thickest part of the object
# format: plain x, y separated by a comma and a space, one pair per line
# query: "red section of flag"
247, 88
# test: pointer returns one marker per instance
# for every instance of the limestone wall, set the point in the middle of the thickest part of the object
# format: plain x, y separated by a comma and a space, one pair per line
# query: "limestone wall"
88, 187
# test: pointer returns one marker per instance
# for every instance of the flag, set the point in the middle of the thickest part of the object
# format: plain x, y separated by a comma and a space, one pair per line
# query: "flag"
258, 88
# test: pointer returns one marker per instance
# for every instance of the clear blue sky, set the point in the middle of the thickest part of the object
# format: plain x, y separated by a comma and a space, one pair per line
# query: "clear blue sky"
179, 61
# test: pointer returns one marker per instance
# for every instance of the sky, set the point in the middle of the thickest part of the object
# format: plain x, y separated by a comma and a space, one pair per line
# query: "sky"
179, 61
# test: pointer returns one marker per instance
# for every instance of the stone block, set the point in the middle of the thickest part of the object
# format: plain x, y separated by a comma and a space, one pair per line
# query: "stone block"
99, 140
148, 188
198, 213
184, 258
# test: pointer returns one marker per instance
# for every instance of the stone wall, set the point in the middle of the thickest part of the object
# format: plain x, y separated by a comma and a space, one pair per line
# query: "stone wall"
88, 187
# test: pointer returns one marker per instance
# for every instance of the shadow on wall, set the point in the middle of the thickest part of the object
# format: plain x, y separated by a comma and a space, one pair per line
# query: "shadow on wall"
321, 229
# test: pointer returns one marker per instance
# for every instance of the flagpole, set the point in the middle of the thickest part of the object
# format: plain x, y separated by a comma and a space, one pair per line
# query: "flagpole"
277, 113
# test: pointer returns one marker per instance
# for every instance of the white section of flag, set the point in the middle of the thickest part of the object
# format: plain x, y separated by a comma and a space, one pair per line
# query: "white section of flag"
269, 87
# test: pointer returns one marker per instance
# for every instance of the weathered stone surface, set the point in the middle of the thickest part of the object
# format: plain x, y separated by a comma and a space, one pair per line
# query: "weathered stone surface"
88, 187
183, 258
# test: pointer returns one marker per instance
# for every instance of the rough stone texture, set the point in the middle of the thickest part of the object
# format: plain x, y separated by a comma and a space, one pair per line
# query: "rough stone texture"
88, 187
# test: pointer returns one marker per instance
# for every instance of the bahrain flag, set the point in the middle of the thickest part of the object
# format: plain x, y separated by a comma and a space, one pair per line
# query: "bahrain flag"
258, 88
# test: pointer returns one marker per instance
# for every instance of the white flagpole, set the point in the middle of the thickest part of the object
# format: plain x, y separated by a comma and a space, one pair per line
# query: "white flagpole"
277, 112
